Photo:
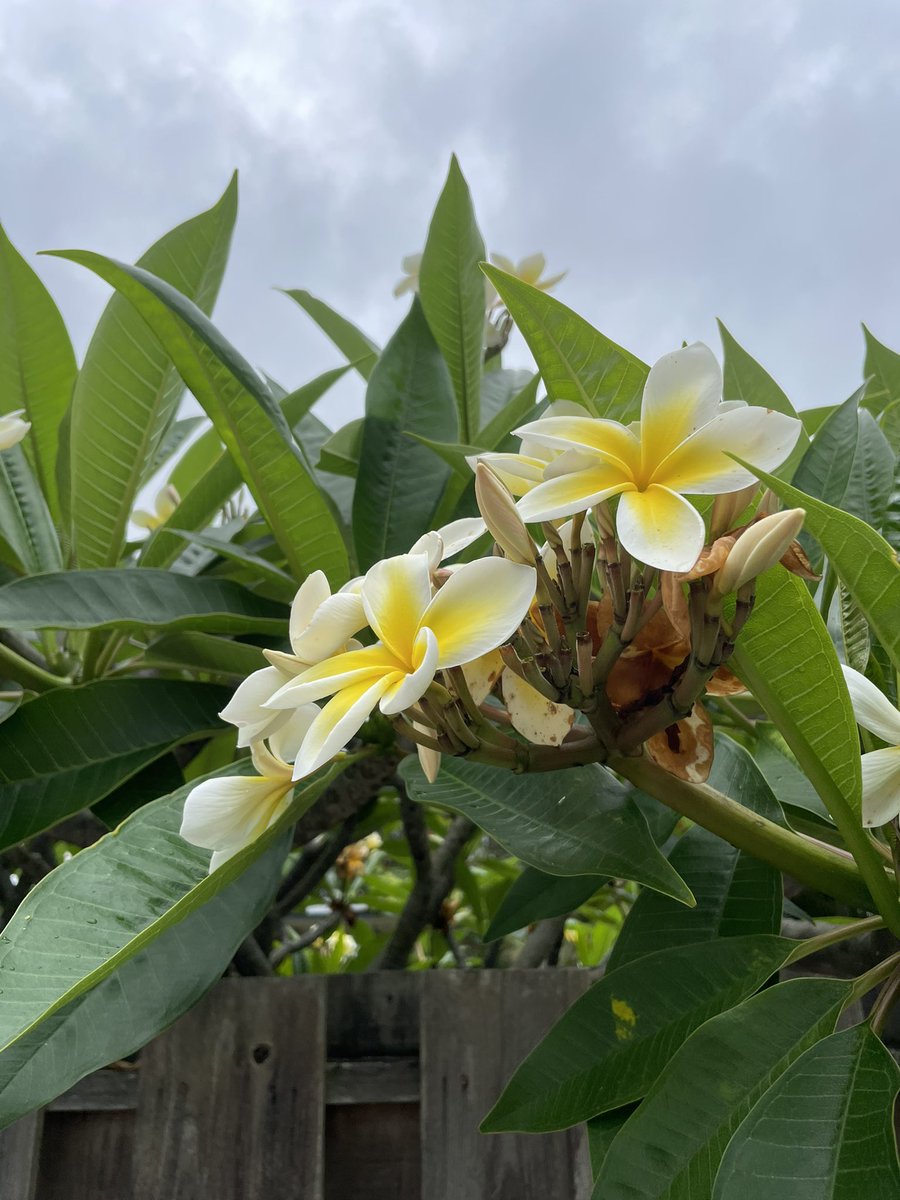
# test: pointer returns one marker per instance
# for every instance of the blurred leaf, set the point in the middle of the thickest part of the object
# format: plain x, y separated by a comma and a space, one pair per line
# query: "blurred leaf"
100, 734
854, 631
24, 517
128, 390
359, 350
890, 425
580, 821
154, 932
671, 1147
132, 598
615, 1040
882, 370
601, 1130
204, 652
452, 293
871, 475
159, 777
246, 416
37, 365
576, 361
824, 1128
258, 566
399, 482
535, 895
176, 435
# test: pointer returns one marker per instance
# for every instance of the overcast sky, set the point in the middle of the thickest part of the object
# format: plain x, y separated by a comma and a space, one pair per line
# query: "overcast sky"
683, 160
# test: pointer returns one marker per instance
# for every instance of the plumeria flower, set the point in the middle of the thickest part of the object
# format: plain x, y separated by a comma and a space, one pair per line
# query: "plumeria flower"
680, 447
523, 471
167, 500
475, 611
409, 265
529, 270
226, 814
880, 768
12, 429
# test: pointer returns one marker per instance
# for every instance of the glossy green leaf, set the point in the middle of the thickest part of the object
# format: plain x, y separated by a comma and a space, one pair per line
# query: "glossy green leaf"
260, 567
670, 1149
737, 895
68, 748
575, 822
823, 1129
246, 417
452, 292
25, 519
616, 1039
359, 350
791, 787
745, 379
871, 475
116, 943
535, 896
824, 470
340, 453
205, 653
37, 364
882, 369
131, 598
601, 1131
862, 560
814, 418
575, 360
127, 390
399, 481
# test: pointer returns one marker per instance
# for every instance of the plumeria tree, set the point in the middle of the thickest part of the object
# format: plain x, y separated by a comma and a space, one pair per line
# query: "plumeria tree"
617, 623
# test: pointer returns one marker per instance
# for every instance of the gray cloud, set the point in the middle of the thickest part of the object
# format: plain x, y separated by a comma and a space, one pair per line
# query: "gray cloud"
684, 160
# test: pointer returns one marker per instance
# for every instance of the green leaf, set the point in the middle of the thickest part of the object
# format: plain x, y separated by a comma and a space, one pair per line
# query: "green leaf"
359, 350
580, 821
499, 389
601, 1131
131, 598
615, 1040
205, 653
814, 418
235, 552
737, 895
824, 1128
824, 470
68, 748
535, 895
871, 475
576, 361
882, 370
452, 292
745, 379
127, 390
37, 364
246, 417
854, 631
119, 941
862, 560
340, 453
176, 435
671, 1147
24, 516
787, 781
518, 409
890, 425
399, 482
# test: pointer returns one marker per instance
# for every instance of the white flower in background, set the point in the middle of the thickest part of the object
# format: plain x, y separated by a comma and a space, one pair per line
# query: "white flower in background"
529, 270
12, 429
226, 814
680, 447
880, 768
167, 500
409, 265
476, 610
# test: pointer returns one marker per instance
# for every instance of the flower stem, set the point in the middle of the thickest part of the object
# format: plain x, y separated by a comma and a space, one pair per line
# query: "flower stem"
885, 1001
840, 934
29, 674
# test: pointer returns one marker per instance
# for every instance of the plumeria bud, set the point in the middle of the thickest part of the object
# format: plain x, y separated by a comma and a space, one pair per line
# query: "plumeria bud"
769, 504
12, 429
728, 507
501, 516
757, 549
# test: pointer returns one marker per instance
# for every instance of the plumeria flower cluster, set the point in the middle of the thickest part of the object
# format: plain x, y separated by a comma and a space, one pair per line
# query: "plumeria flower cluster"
594, 629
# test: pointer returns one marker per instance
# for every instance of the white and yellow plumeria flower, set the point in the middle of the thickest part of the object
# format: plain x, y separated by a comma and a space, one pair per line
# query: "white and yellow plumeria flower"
529, 270
522, 471
880, 768
12, 429
476, 610
680, 447
167, 500
409, 265
225, 815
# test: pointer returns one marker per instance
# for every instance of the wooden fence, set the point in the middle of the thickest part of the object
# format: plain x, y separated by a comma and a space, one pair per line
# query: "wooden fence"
353, 1087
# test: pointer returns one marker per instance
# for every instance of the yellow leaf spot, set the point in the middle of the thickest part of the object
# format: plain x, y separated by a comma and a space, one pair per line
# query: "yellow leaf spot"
625, 1019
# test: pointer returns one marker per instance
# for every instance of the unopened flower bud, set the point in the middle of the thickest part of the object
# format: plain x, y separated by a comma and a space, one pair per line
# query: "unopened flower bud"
728, 507
757, 549
12, 429
769, 504
501, 516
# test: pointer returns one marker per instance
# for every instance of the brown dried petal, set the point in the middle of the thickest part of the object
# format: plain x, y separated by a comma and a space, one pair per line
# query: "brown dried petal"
675, 604
725, 683
794, 558
712, 558
685, 749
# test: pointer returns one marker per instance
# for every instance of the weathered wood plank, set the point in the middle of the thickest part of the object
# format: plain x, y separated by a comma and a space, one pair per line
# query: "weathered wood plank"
476, 1027
104, 1091
86, 1155
373, 1015
231, 1099
20, 1146
372, 1080
372, 1153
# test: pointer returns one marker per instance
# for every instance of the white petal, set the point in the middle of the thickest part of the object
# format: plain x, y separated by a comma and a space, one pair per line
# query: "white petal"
504, 263
285, 742
336, 673
872, 708
479, 607
340, 719
431, 545
429, 760
413, 687
332, 625
682, 393
616, 443
459, 534
245, 708
313, 591
395, 594
12, 429
881, 786
519, 472
538, 719
228, 813
531, 268
700, 465
482, 673
660, 528
572, 491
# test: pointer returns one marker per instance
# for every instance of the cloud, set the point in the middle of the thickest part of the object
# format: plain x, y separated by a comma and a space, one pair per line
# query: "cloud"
683, 160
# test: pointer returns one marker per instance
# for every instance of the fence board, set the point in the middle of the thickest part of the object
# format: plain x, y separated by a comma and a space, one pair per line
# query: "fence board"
476, 1027
86, 1154
20, 1146
231, 1099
